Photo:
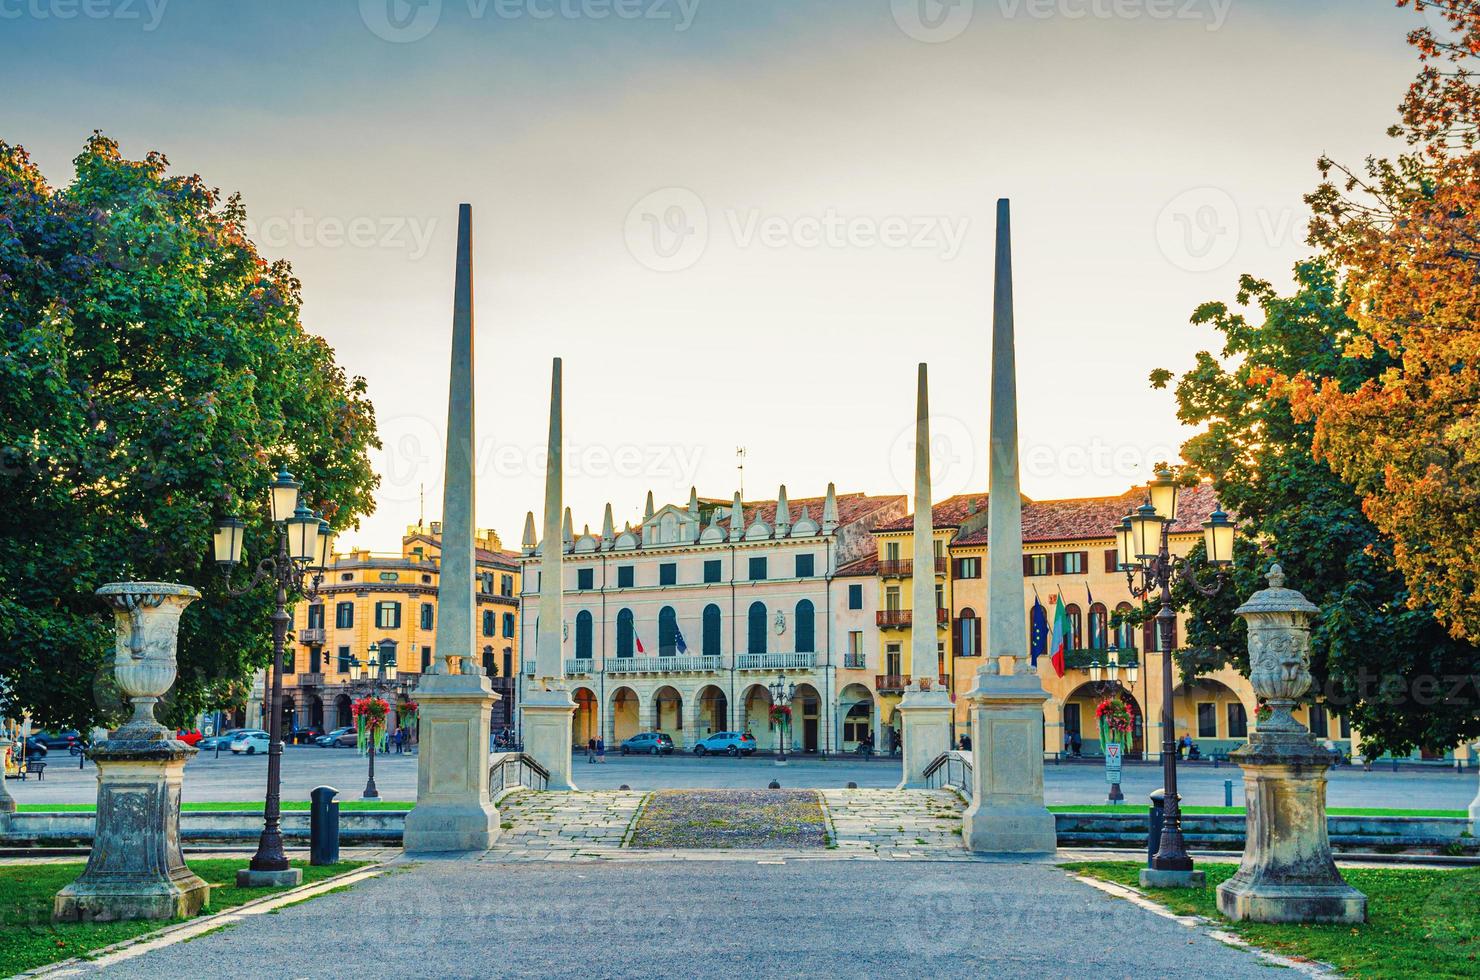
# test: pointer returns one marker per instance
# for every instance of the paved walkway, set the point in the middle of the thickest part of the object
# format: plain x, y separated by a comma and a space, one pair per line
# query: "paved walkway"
892, 824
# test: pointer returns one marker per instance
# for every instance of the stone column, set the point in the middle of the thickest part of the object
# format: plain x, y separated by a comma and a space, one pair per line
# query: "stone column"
925, 710
136, 869
453, 811
1287, 874
548, 708
1006, 814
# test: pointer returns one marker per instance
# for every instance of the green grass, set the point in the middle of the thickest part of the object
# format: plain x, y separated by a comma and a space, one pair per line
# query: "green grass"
249, 806
1335, 811
1420, 922
29, 939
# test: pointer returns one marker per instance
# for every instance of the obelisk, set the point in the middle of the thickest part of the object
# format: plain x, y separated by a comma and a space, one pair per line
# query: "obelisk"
453, 811
547, 706
926, 709
1006, 814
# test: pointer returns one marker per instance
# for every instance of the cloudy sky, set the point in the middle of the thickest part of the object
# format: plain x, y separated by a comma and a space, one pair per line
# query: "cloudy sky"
741, 222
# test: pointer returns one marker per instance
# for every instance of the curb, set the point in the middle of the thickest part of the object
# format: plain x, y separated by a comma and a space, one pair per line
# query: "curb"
184, 931
1207, 927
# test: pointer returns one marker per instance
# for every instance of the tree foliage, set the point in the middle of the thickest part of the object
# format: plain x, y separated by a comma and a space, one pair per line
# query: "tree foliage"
1376, 655
153, 375
1407, 233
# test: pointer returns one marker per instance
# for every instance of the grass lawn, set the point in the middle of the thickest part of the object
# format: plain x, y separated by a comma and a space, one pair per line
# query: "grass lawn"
244, 805
28, 938
1420, 922
1334, 811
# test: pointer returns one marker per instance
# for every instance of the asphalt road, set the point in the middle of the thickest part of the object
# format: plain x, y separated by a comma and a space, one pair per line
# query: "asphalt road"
706, 919
244, 778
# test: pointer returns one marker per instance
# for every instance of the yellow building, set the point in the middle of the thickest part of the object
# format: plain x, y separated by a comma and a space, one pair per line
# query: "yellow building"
391, 601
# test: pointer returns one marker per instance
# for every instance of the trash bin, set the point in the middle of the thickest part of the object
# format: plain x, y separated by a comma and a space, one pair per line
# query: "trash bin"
323, 826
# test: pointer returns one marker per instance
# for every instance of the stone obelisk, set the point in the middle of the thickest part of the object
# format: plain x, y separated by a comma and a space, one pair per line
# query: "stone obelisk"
453, 811
1007, 814
926, 709
547, 705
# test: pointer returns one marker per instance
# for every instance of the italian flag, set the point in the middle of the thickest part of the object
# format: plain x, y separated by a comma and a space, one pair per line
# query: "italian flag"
638, 640
1058, 644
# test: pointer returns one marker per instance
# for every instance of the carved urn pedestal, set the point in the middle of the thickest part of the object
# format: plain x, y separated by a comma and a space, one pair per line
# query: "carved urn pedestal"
1287, 873
136, 869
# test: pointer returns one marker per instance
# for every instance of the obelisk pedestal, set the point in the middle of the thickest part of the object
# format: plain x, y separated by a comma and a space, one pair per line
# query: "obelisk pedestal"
1287, 873
548, 719
925, 732
1006, 814
453, 811
136, 869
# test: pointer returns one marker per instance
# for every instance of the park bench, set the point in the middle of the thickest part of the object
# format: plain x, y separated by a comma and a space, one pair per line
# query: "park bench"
38, 768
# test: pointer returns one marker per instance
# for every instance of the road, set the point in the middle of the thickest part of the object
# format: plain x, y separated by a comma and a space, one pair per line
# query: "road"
244, 777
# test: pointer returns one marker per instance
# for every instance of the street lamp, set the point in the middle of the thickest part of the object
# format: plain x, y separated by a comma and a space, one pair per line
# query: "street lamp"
379, 672
1144, 554
782, 694
304, 543
1106, 681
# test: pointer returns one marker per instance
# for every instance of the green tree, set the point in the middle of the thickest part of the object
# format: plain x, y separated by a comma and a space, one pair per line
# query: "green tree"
153, 376
1394, 670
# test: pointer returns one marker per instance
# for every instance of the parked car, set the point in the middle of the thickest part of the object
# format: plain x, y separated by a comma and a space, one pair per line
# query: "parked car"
327, 741
35, 748
189, 738
70, 739
304, 736
250, 742
346, 739
224, 740
651, 743
730, 743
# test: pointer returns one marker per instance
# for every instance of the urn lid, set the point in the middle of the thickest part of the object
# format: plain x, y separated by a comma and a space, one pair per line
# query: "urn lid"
1276, 598
147, 588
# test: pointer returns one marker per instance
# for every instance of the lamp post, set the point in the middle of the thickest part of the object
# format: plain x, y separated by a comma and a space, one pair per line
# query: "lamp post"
781, 696
1143, 553
305, 544
1106, 679
378, 673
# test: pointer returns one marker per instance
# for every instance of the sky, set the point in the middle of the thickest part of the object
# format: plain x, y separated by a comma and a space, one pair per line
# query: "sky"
739, 222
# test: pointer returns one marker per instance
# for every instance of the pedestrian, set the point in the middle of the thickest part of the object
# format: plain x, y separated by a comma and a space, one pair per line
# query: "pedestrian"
590, 751
1068, 742
1183, 744
965, 741
398, 740
1075, 744
601, 750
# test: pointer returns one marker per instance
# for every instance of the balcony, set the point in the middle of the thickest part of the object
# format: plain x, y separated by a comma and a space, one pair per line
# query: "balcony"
905, 567
776, 661
661, 665
855, 661
1080, 659
891, 683
310, 680
312, 636
579, 666
904, 618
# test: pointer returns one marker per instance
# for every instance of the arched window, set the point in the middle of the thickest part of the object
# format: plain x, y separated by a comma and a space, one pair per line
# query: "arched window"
1099, 634
806, 627
667, 632
583, 635
712, 621
968, 634
756, 640
624, 633
1124, 634
1076, 628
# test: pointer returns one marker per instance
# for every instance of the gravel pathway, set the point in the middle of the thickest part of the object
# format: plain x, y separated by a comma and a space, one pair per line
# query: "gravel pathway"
789, 819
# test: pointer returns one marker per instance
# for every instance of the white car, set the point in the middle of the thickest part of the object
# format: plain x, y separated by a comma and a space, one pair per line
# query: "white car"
250, 743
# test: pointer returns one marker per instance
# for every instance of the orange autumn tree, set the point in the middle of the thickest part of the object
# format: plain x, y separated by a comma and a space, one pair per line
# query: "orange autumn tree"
1407, 233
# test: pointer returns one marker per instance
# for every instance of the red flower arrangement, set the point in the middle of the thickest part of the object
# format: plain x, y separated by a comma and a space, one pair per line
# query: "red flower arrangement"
1117, 719
780, 714
369, 714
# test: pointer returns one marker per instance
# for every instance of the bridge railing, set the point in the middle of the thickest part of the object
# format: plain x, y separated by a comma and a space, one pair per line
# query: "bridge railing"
509, 770
950, 770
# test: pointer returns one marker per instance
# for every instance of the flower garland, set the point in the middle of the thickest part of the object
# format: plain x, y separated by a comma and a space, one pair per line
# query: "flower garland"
1116, 720
369, 714
780, 714
408, 712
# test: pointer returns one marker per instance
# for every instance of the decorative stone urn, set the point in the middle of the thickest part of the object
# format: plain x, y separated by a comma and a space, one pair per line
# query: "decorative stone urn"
136, 869
1287, 874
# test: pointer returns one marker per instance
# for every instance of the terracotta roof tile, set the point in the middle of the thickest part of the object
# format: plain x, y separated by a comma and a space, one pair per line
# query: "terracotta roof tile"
867, 565
1093, 517
951, 512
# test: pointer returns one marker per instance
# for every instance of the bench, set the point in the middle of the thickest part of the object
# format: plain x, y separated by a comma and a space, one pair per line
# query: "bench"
38, 768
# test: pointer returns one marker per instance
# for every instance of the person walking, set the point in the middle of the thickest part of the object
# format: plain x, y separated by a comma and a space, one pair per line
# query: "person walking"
601, 750
590, 751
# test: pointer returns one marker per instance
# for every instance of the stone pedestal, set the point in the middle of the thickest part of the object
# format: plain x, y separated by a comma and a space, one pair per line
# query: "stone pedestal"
548, 720
925, 732
1287, 874
1475, 803
453, 811
1007, 815
136, 869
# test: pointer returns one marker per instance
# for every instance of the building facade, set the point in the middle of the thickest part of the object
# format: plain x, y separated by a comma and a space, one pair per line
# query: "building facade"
391, 601
681, 623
